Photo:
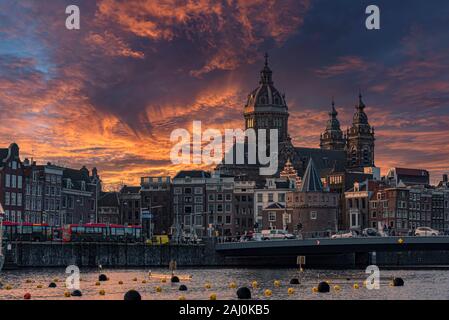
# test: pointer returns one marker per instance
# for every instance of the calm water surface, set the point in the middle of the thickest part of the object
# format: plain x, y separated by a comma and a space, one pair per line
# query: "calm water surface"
419, 284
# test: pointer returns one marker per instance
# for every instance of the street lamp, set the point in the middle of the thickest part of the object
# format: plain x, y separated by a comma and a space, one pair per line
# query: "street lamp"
1, 233
124, 204
151, 219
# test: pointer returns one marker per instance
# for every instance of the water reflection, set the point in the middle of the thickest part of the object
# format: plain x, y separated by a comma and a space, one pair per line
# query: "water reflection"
419, 284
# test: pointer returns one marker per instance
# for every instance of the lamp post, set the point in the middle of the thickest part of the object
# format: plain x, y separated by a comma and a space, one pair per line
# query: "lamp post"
1, 233
151, 219
124, 204
76, 209
44, 217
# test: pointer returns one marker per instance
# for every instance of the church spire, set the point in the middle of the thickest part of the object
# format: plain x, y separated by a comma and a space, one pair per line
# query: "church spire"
334, 112
266, 75
361, 104
360, 116
332, 138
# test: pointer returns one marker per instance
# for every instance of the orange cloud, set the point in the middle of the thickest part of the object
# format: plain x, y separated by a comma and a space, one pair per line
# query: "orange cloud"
111, 45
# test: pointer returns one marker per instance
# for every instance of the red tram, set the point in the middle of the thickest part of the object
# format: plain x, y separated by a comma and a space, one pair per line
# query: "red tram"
91, 232
13, 231
96, 232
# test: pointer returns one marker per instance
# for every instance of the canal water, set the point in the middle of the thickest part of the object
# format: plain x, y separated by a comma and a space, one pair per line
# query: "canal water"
419, 284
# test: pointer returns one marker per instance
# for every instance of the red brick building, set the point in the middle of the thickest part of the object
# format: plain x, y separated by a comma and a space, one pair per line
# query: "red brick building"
314, 209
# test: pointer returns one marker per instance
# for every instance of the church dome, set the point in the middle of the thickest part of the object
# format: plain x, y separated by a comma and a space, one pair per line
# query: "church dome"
266, 97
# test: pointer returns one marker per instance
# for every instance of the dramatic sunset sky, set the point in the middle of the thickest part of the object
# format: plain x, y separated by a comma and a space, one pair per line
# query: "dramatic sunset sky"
110, 94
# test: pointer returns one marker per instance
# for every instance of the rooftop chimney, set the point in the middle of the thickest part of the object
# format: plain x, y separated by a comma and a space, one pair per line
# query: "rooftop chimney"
445, 178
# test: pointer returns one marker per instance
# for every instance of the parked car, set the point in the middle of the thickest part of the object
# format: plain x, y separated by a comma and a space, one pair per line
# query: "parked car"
426, 232
276, 235
344, 235
371, 232
251, 236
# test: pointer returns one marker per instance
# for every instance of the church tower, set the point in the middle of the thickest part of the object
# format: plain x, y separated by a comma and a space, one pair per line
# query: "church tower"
266, 107
332, 137
360, 140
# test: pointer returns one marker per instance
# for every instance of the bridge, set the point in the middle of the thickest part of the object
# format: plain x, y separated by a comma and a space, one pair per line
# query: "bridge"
331, 246
339, 252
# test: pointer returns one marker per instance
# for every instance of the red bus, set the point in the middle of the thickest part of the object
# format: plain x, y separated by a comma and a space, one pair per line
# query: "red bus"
98, 232
14, 231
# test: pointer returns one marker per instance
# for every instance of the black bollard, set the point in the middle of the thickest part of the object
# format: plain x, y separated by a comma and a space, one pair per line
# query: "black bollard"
244, 293
52, 285
76, 293
398, 282
182, 288
174, 279
132, 295
102, 277
294, 281
323, 287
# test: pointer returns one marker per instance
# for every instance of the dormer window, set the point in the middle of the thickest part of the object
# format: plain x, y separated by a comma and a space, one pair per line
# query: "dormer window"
83, 185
